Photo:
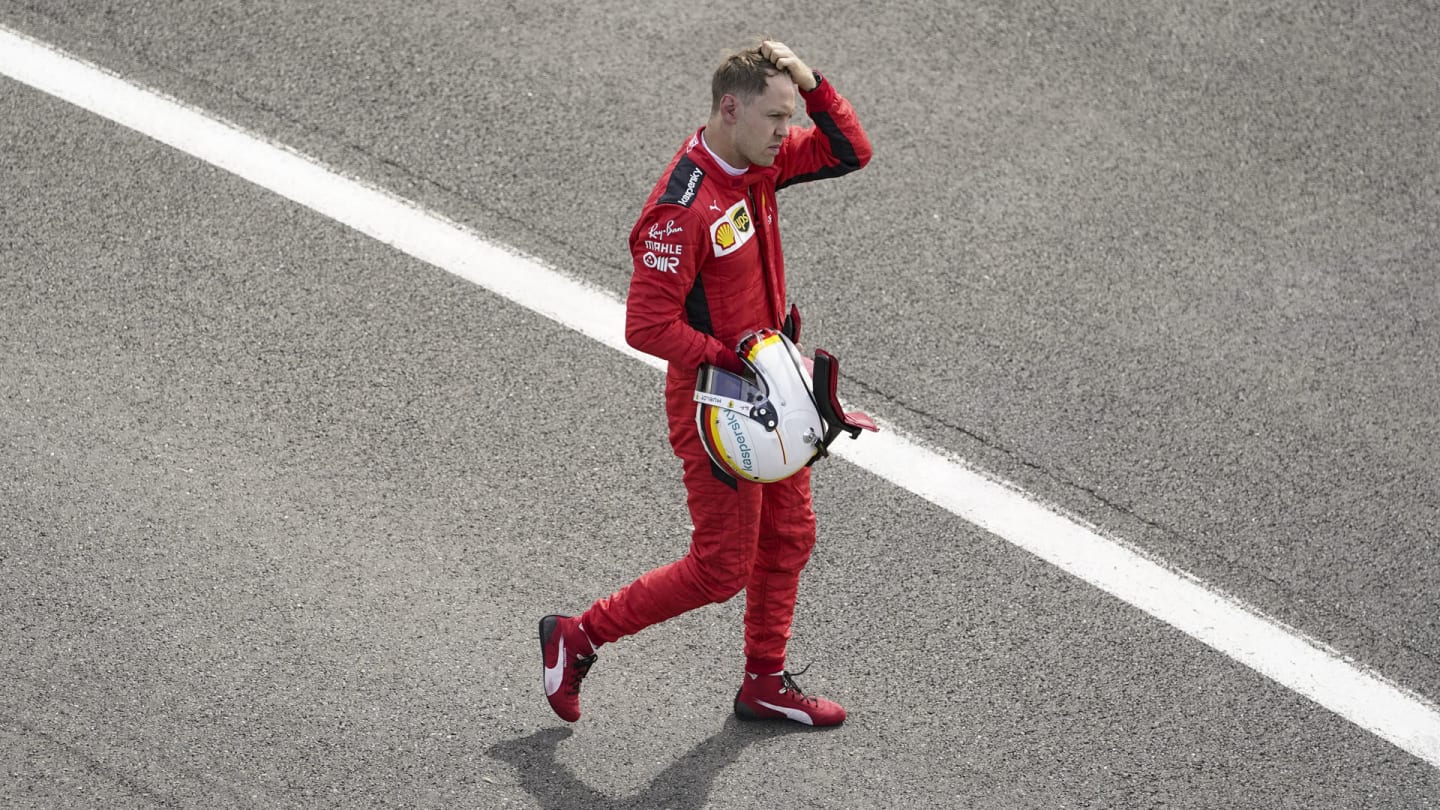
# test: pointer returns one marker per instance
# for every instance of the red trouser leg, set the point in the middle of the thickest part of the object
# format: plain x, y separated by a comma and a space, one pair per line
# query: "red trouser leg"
746, 536
787, 536
718, 565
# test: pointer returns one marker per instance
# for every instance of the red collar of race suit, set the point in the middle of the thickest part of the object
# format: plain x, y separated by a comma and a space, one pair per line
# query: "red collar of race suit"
700, 155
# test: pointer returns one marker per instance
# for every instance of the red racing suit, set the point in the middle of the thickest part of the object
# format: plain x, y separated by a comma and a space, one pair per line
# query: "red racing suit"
708, 268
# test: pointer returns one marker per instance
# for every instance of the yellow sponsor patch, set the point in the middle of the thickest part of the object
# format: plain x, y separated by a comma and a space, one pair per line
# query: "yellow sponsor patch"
724, 236
732, 229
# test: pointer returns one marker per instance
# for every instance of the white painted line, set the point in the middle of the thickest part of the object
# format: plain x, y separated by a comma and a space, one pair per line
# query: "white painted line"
1404, 718
390, 219
1271, 648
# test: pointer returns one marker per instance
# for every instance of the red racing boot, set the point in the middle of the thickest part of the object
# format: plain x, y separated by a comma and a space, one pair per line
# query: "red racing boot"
566, 655
777, 697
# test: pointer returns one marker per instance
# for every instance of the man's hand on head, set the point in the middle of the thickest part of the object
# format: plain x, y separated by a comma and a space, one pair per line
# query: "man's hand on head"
785, 59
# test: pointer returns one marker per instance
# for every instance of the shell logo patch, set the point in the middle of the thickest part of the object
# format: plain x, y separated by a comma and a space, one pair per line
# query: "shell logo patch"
724, 236
732, 229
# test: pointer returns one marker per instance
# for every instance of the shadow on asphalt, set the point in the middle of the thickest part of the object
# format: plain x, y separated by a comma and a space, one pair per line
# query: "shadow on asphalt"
684, 785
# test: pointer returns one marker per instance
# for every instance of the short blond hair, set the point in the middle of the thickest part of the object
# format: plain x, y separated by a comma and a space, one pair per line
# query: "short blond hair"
744, 74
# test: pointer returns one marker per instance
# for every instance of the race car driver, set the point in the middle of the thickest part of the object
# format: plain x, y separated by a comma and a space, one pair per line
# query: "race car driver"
708, 267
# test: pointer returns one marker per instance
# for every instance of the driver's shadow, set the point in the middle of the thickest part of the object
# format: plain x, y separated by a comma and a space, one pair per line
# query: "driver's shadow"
684, 785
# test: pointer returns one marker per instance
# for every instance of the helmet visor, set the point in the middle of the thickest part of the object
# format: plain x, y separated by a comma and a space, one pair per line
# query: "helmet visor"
725, 389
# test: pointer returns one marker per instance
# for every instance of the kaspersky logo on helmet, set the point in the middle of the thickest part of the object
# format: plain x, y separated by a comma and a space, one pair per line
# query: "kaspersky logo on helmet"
738, 430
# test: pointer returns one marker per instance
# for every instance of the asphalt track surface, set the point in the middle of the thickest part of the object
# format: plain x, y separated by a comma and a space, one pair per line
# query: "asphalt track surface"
279, 507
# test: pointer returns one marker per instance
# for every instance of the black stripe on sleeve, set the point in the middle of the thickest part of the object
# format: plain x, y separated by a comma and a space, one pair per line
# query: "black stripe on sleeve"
840, 147
697, 308
684, 183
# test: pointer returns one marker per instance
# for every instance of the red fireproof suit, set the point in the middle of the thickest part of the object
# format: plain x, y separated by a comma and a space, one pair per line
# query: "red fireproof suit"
708, 268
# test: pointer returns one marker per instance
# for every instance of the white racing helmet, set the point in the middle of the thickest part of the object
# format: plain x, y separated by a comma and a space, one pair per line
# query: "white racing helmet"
770, 427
